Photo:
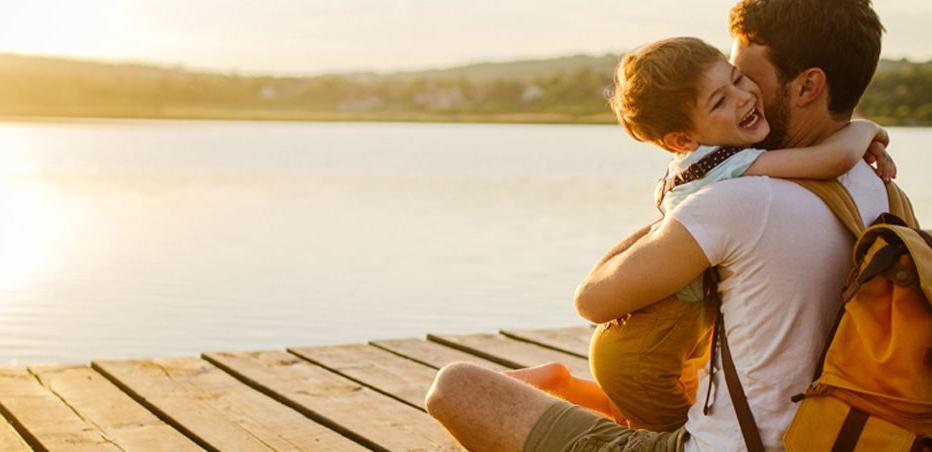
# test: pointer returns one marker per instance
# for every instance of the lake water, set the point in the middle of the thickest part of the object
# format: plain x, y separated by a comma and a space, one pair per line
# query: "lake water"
124, 239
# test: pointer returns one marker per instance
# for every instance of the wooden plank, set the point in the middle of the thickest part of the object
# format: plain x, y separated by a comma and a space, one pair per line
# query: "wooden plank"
42, 418
371, 418
216, 410
512, 353
10, 441
96, 400
431, 353
574, 340
383, 371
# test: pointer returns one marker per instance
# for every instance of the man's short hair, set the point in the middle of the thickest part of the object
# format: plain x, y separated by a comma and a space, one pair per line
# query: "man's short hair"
656, 86
842, 37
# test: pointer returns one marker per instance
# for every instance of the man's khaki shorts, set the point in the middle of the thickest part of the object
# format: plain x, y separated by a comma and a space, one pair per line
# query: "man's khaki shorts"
568, 427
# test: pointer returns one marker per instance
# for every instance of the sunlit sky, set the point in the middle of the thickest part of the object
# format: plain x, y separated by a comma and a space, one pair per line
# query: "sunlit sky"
316, 36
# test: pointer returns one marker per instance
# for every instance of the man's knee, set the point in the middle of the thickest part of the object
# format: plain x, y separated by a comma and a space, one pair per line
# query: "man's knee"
452, 381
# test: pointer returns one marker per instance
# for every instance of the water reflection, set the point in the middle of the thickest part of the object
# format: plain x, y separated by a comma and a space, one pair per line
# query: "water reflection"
136, 239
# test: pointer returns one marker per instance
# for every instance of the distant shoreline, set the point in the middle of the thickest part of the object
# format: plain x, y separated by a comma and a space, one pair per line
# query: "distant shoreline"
563, 90
511, 118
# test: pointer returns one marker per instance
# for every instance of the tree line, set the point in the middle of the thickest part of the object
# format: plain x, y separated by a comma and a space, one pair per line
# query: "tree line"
900, 94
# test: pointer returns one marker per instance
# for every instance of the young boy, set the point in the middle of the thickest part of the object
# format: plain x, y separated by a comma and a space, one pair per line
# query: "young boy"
684, 96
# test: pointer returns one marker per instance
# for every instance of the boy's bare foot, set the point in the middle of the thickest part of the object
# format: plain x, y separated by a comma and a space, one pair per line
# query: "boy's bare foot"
545, 376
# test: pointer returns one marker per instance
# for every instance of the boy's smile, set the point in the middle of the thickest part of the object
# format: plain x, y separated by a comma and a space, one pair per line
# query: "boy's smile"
729, 109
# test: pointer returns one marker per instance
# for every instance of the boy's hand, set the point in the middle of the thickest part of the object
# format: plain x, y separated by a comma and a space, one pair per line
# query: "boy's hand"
877, 155
882, 136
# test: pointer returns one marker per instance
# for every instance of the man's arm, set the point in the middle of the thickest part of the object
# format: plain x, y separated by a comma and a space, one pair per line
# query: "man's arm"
641, 270
625, 244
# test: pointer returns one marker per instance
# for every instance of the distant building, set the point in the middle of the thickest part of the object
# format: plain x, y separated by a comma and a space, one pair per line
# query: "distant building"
531, 93
360, 104
268, 93
439, 99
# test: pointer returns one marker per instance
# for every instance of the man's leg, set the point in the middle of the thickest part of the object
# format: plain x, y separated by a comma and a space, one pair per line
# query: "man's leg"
483, 409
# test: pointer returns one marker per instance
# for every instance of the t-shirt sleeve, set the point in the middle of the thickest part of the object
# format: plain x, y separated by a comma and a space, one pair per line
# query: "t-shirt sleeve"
727, 218
732, 167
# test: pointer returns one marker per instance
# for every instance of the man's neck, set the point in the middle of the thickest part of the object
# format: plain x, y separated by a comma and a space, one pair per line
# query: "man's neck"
813, 129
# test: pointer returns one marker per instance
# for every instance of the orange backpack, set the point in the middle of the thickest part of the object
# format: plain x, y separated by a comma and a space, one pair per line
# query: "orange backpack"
873, 391
873, 388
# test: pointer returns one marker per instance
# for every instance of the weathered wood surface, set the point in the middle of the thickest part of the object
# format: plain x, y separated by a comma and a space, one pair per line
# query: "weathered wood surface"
216, 410
342, 397
511, 352
570, 340
369, 417
378, 369
98, 402
43, 419
10, 441
431, 353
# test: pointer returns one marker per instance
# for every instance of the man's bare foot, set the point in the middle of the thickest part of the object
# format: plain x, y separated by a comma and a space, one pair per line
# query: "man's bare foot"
545, 376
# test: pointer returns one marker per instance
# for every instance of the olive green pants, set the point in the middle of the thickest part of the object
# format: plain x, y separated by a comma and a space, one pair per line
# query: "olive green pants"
568, 427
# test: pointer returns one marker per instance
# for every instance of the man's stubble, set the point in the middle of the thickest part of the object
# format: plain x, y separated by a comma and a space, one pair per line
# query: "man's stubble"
778, 116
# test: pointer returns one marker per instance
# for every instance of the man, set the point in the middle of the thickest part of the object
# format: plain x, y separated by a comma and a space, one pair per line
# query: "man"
781, 254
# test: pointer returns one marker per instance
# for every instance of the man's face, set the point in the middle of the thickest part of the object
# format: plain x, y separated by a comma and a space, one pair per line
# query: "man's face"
753, 60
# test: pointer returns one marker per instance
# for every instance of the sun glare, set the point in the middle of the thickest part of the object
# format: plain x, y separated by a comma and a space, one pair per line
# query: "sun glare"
28, 232
14, 157
32, 220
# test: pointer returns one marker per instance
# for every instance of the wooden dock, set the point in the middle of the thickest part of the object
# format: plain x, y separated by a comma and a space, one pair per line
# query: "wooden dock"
332, 398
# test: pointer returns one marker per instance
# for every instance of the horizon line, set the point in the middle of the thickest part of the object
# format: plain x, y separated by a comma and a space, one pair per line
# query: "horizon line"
185, 67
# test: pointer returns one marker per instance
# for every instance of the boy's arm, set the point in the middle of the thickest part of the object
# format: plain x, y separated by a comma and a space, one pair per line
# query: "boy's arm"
827, 160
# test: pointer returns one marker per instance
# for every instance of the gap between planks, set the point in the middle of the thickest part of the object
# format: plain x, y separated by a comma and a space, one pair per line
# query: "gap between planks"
413, 353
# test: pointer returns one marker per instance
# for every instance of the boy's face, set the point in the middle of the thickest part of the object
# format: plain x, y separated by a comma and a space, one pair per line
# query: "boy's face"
729, 109
754, 61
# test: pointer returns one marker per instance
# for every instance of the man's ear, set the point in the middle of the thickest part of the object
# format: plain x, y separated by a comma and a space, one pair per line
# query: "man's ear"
679, 142
808, 87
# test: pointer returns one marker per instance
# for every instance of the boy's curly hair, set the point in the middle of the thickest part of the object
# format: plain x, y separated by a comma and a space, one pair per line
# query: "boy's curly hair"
656, 86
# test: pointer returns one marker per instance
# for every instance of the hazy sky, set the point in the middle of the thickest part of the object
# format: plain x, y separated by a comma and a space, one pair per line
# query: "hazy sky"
313, 36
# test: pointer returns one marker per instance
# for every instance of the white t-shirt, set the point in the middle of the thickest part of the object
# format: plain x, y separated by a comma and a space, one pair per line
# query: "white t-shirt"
732, 167
783, 258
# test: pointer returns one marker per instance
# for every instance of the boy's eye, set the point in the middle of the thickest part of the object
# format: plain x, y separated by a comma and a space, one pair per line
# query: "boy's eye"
721, 101
739, 79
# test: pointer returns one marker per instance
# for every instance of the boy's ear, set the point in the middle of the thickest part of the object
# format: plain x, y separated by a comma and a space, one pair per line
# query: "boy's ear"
679, 142
808, 86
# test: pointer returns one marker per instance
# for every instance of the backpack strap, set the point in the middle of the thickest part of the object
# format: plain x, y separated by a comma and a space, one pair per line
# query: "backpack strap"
739, 400
900, 205
837, 198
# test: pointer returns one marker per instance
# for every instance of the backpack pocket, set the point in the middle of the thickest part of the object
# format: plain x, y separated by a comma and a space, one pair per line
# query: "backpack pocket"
824, 423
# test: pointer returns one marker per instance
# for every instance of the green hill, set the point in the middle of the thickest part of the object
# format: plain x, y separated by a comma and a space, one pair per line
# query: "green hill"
524, 70
565, 89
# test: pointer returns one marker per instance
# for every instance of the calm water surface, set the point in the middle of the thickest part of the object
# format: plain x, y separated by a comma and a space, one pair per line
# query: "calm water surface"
162, 238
